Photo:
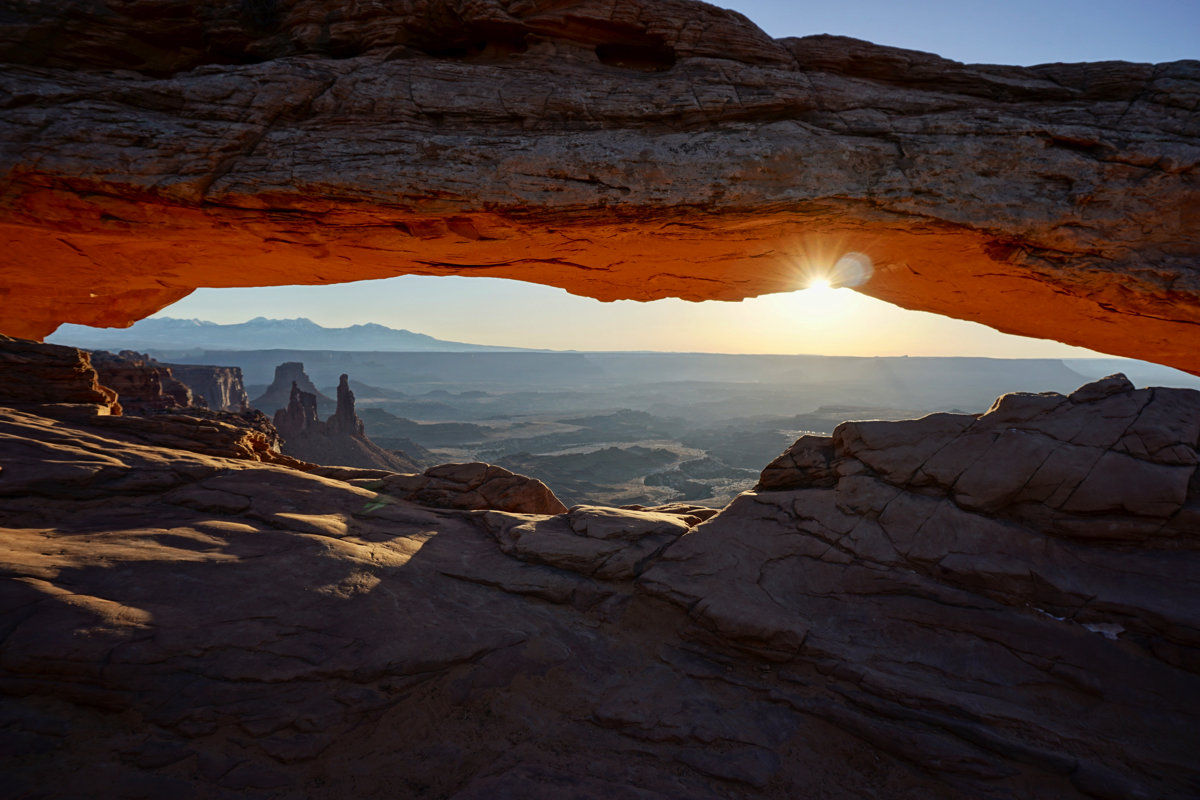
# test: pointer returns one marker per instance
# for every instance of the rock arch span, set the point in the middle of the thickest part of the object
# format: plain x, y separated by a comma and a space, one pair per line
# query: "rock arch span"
615, 148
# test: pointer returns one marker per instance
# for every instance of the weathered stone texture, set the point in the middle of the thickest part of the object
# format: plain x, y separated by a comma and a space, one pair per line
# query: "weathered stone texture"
617, 149
221, 388
143, 385
474, 486
195, 626
32, 373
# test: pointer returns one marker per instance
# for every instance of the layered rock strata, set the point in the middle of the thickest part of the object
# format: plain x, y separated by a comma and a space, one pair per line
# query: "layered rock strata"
1018, 586
143, 385
999, 605
53, 382
33, 374
619, 150
221, 388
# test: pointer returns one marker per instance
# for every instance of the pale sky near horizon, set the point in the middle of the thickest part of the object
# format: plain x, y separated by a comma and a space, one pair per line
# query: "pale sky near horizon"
834, 322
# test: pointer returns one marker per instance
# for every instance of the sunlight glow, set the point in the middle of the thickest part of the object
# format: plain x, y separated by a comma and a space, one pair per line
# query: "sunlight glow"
836, 321
819, 285
821, 263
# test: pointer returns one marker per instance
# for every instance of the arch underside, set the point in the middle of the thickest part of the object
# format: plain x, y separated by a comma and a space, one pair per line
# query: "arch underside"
1060, 201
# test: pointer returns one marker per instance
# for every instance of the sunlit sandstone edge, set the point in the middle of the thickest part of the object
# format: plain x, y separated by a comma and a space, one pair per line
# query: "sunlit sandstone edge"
1060, 201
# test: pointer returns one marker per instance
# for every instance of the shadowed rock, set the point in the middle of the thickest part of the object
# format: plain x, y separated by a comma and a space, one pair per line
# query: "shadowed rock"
221, 388
344, 420
954, 616
32, 374
289, 376
339, 441
299, 416
143, 385
619, 150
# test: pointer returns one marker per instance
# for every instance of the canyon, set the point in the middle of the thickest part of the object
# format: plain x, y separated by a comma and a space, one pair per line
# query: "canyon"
966, 605
1001, 604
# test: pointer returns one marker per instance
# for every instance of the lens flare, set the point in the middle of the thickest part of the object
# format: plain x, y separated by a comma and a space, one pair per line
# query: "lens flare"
852, 269
819, 262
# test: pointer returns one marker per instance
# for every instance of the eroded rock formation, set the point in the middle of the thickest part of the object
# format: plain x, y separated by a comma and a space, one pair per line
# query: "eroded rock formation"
629, 149
221, 388
1001, 605
143, 385
474, 486
34, 374
146, 385
339, 440
290, 376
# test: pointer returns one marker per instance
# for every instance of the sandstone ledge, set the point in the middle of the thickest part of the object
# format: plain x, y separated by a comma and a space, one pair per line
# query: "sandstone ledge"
210, 627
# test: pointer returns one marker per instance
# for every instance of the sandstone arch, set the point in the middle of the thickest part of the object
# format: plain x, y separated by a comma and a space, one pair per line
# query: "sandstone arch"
615, 148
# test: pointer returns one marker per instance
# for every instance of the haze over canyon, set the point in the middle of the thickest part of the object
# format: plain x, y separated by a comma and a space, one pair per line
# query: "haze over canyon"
274, 560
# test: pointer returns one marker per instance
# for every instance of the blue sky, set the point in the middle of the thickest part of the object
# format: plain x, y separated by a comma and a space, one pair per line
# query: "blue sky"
492, 311
1021, 32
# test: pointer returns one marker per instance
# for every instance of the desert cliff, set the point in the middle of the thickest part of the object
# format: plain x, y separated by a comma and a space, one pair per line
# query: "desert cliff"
143, 385
221, 388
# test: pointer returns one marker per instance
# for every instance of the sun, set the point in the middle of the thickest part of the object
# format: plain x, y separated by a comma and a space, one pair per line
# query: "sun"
819, 285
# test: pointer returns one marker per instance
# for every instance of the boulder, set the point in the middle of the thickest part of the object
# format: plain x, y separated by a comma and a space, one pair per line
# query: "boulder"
474, 486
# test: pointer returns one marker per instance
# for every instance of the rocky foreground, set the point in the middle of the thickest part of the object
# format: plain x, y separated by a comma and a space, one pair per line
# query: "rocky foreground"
1002, 605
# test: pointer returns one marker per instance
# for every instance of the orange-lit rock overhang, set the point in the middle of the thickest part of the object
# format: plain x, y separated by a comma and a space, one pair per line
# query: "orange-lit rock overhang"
1060, 201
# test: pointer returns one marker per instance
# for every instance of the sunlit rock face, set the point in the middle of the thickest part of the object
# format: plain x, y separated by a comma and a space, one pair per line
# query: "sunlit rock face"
144, 385
628, 149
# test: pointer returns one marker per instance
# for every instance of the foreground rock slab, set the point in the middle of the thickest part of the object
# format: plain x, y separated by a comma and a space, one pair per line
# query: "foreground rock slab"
1000, 605
619, 150
240, 630
1027, 579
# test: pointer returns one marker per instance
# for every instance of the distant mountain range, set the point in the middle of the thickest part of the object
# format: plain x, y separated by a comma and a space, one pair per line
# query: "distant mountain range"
181, 335
259, 345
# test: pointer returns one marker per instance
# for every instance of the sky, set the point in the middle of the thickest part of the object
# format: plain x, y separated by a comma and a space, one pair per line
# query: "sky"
833, 322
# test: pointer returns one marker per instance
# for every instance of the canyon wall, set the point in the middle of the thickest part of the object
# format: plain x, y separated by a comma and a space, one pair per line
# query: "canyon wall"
221, 388
143, 385
618, 149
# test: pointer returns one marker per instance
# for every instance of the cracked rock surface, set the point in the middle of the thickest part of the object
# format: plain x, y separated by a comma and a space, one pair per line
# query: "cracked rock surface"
961, 606
615, 148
